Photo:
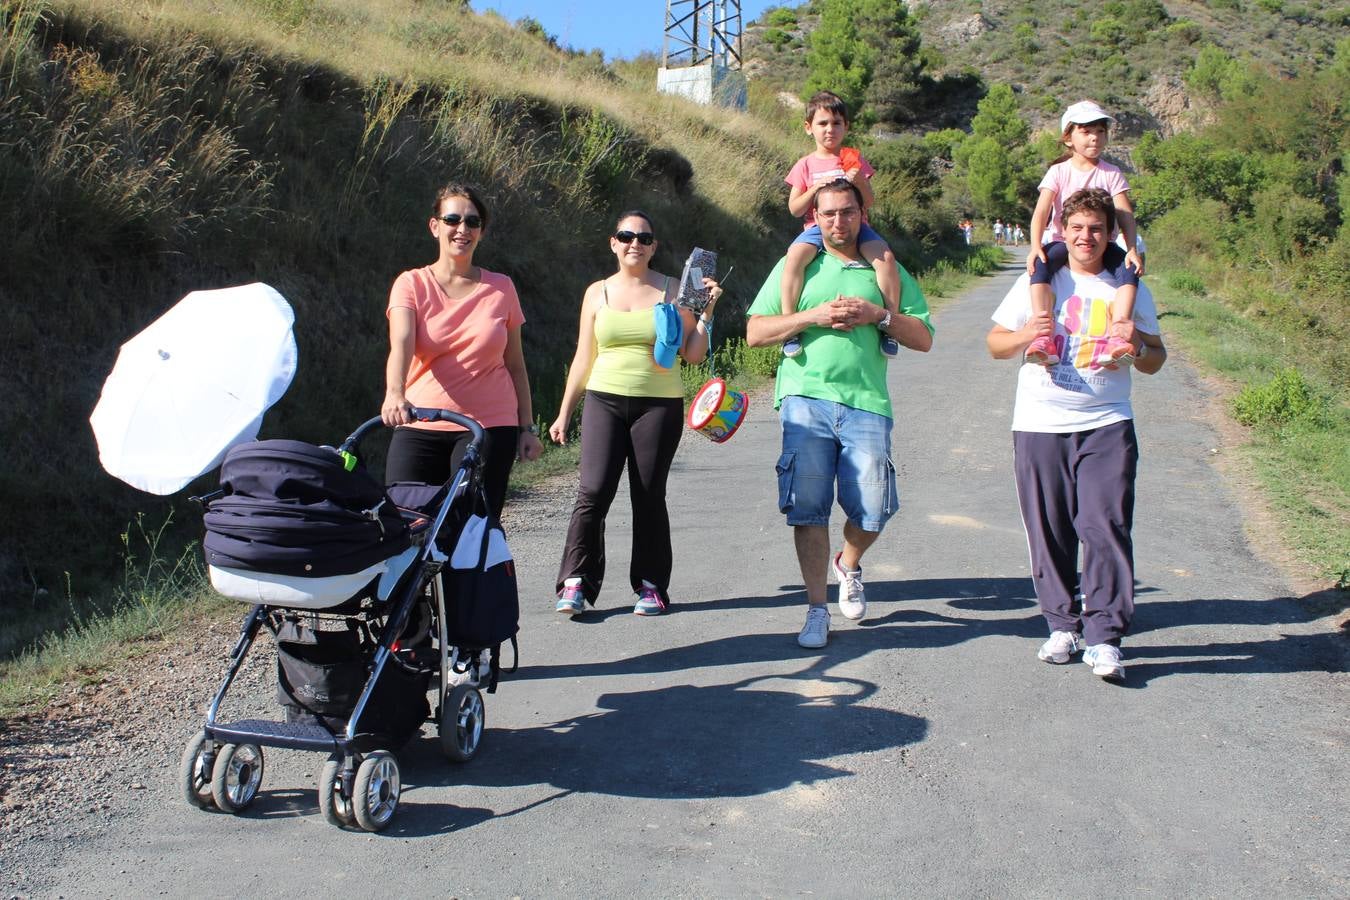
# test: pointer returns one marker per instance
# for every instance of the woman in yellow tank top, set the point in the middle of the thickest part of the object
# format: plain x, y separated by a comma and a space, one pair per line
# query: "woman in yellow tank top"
633, 414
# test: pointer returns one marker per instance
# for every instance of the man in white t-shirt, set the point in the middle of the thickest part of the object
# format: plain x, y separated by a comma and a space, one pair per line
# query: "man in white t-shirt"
1074, 444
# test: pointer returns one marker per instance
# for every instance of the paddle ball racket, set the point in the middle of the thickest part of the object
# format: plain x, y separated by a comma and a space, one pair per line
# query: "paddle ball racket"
700, 264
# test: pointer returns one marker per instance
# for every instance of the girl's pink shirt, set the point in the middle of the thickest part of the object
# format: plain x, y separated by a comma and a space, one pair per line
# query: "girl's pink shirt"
459, 352
1065, 181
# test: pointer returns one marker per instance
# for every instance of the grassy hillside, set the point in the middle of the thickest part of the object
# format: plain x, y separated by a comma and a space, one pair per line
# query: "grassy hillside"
1128, 54
148, 149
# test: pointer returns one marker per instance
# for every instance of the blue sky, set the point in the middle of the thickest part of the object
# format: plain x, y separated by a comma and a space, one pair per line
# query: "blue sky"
618, 27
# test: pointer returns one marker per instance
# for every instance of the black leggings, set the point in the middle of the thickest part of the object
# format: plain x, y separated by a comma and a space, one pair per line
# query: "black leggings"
642, 432
431, 457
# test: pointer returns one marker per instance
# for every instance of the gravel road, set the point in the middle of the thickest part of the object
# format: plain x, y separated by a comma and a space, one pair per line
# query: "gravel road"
925, 751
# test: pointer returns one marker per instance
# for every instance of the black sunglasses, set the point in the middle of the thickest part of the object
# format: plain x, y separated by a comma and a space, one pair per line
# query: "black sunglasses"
453, 219
645, 238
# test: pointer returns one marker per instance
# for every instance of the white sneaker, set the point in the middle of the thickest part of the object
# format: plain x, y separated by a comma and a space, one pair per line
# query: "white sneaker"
1105, 661
1059, 648
816, 631
852, 599
464, 670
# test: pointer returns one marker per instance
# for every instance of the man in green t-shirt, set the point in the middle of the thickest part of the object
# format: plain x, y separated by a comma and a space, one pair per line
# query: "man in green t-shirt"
834, 405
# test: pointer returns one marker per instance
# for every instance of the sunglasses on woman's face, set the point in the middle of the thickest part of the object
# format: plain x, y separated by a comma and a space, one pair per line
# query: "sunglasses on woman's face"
645, 238
453, 220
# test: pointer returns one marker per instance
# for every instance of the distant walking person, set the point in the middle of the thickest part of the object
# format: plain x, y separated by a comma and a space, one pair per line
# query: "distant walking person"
834, 405
1074, 447
627, 367
454, 343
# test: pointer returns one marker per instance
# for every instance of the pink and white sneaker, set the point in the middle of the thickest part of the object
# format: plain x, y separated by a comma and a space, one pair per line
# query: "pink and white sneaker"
1042, 352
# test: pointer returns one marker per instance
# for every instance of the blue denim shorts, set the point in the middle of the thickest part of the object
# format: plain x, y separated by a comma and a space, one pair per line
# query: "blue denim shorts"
827, 444
813, 236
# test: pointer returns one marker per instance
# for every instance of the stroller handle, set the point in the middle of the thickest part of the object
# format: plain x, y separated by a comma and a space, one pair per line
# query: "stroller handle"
421, 414
426, 414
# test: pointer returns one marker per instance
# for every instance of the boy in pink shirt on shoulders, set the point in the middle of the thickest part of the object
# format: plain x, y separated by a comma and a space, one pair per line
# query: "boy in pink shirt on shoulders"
827, 123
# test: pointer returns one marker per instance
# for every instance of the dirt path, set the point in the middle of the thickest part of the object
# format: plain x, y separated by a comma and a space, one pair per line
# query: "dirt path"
924, 751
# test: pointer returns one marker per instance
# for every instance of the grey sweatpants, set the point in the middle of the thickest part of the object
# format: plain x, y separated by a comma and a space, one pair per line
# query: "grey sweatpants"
1079, 488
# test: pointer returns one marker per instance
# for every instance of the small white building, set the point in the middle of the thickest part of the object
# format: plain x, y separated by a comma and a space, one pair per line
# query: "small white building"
701, 56
709, 84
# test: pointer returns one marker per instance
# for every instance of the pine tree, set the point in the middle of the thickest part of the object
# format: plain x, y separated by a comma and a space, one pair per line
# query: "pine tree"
867, 52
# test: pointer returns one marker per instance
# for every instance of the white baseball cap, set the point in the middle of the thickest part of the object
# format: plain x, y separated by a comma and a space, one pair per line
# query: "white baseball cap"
1081, 113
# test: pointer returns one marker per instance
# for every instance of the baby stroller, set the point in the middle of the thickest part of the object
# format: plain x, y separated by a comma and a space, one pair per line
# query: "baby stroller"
368, 611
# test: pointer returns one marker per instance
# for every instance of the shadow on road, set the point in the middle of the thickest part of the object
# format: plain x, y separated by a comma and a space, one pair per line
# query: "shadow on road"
898, 628
425, 821
767, 733
1321, 652
745, 738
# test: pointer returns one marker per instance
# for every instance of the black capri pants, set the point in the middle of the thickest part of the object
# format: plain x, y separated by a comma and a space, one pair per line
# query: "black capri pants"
431, 457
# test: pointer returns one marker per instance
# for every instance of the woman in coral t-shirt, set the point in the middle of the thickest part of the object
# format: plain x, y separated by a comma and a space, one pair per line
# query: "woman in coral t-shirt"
454, 343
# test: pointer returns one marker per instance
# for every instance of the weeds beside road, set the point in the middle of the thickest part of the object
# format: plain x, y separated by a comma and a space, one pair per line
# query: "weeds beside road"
1297, 430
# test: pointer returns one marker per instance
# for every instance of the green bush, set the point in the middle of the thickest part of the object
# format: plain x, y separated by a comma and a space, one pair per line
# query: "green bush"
782, 17
1185, 30
1196, 228
1285, 399
1187, 283
739, 358
733, 361
777, 37
984, 260
1108, 31
1284, 225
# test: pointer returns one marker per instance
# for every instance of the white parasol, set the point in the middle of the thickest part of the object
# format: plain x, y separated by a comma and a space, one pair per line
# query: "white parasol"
193, 384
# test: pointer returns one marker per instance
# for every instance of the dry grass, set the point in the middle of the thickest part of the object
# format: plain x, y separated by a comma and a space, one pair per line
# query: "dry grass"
414, 45
152, 148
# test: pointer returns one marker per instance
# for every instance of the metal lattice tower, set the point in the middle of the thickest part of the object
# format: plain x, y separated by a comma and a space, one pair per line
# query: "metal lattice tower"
699, 32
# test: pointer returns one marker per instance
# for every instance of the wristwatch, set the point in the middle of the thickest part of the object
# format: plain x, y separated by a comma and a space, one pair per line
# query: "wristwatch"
532, 429
885, 321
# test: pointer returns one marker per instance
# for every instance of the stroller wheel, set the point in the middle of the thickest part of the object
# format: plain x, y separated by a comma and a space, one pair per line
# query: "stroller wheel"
375, 793
236, 775
462, 719
194, 776
336, 805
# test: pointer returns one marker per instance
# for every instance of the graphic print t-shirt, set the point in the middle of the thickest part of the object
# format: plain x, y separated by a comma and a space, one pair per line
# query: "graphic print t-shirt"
1070, 396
